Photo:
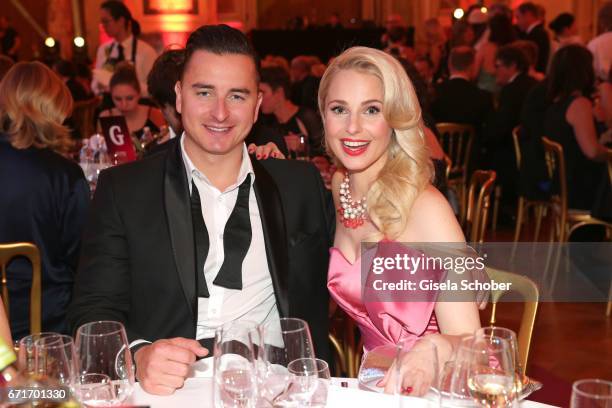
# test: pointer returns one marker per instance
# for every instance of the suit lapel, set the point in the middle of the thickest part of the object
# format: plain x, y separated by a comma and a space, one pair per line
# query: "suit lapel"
273, 224
178, 213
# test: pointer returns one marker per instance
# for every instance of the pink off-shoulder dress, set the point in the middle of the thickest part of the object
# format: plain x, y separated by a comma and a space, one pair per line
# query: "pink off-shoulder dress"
381, 321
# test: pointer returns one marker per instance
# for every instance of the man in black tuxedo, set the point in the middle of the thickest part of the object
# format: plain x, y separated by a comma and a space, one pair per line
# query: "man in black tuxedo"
199, 235
532, 29
511, 68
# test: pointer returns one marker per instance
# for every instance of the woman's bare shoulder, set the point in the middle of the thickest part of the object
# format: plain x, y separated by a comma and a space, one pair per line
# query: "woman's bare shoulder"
432, 218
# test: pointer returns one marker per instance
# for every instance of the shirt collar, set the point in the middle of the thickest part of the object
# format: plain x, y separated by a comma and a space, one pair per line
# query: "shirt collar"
532, 26
514, 77
460, 76
246, 168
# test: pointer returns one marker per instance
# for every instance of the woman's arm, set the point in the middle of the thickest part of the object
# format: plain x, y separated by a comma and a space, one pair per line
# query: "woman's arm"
5, 329
580, 116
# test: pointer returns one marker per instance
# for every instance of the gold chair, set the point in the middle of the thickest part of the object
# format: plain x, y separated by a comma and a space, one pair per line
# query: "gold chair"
565, 220
456, 141
524, 204
478, 203
530, 294
30, 251
343, 335
83, 116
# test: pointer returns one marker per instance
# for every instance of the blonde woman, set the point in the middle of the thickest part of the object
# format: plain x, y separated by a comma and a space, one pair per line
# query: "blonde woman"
44, 195
373, 131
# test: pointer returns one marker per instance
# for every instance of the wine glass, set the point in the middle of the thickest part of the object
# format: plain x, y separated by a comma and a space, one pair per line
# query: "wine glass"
510, 336
311, 378
280, 342
94, 390
417, 372
102, 348
491, 373
55, 358
27, 351
235, 382
591, 393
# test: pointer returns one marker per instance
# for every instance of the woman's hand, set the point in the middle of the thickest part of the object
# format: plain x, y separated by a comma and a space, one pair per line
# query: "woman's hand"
262, 152
418, 369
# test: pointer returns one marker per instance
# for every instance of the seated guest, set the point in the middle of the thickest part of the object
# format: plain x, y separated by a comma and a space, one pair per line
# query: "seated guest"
501, 33
511, 72
83, 76
289, 119
44, 195
66, 71
160, 82
565, 32
601, 46
529, 22
570, 122
158, 226
530, 50
304, 86
397, 44
125, 94
425, 68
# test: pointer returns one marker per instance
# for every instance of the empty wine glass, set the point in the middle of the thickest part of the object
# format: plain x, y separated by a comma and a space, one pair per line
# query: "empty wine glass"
94, 390
234, 375
27, 351
310, 382
510, 337
491, 373
55, 358
102, 348
280, 342
591, 393
417, 372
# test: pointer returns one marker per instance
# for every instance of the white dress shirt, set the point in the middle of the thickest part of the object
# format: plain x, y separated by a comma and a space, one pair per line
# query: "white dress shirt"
256, 301
601, 47
145, 57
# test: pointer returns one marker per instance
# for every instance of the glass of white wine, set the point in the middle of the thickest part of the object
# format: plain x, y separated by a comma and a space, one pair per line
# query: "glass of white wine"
491, 373
510, 336
235, 382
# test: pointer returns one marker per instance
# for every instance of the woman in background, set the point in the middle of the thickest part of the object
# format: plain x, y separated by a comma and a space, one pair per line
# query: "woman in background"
44, 195
501, 33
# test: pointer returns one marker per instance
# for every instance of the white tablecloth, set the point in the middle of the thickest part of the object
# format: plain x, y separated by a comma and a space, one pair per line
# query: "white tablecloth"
197, 392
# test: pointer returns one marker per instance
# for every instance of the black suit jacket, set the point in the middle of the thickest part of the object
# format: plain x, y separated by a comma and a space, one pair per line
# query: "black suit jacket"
138, 264
43, 199
539, 36
461, 101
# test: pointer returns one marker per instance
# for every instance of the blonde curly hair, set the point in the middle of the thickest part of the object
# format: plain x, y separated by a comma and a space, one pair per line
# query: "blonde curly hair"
34, 104
408, 169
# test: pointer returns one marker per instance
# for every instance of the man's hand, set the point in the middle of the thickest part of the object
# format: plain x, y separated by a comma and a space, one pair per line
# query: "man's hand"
161, 367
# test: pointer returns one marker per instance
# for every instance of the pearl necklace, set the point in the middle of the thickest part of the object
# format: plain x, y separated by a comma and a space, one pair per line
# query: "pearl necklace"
352, 214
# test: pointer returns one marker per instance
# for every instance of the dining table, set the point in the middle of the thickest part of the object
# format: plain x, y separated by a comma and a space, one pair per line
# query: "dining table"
342, 392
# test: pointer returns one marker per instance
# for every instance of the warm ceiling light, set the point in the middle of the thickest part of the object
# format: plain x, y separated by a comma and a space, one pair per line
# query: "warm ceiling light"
458, 13
483, 10
79, 41
50, 42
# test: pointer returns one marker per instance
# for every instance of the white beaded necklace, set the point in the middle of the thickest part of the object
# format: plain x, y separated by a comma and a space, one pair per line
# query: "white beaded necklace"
352, 214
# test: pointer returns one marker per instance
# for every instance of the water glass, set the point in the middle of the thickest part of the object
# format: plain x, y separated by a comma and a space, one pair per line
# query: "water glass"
491, 373
235, 383
417, 372
310, 382
102, 348
27, 352
55, 358
591, 393
94, 390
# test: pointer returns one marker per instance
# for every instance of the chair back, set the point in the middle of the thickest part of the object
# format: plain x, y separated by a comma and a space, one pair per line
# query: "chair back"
83, 116
516, 139
555, 168
479, 202
30, 251
456, 140
530, 294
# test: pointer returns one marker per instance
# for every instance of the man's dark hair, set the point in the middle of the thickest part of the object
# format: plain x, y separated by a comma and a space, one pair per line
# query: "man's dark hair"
165, 73
219, 39
561, 22
461, 58
276, 77
65, 68
529, 7
117, 9
509, 54
571, 70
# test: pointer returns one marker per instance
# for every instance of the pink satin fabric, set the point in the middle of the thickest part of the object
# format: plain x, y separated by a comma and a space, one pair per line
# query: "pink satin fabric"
380, 323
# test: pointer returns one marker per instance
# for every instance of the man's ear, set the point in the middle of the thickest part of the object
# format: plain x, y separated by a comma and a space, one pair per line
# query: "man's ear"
259, 99
179, 99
